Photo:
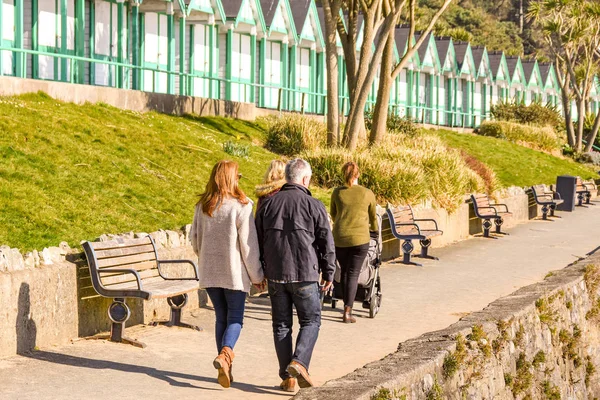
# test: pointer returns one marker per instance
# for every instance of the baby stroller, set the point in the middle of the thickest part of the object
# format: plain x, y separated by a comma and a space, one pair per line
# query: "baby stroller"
369, 281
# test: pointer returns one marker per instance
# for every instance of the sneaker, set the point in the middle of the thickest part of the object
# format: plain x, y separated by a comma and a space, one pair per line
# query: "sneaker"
297, 370
288, 385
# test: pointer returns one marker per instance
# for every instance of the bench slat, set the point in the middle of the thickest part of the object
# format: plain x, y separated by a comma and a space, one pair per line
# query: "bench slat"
138, 267
125, 260
114, 244
124, 251
121, 278
162, 288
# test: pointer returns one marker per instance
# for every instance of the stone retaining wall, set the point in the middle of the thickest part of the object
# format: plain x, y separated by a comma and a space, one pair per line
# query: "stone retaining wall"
53, 288
541, 342
135, 100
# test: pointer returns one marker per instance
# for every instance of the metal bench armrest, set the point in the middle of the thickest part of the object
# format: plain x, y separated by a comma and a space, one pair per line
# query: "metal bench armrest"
410, 224
500, 205
193, 264
428, 220
487, 208
548, 196
123, 271
557, 195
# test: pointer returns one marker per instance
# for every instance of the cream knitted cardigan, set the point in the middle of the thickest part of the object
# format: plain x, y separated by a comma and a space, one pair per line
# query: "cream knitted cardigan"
227, 246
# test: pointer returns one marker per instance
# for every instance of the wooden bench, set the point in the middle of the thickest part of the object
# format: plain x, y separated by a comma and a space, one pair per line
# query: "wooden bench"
546, 198
406, 227
583, 190
487, 211
130, 268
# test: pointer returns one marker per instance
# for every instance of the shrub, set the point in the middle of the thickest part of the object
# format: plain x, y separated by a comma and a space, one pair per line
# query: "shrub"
402, 169
540, 138
534, 114
236, 149
395, 123
294, 133
486, 173
405, 125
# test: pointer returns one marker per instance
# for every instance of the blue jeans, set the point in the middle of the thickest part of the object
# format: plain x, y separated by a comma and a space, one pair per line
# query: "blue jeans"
305, 297
229, 311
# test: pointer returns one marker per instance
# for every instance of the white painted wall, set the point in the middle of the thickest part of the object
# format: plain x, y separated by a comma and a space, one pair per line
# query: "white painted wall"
302, 75
155, 51
273, 72
105, 41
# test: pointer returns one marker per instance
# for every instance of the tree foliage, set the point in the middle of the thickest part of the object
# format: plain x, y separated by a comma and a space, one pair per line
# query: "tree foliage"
571, 28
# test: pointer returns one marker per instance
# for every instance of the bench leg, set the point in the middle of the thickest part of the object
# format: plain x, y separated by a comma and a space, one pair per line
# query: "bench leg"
119, 313
425, 243
177, 303
487, 225
407, 248
544, 212
580, 199
552, 210
499, 222
588, 198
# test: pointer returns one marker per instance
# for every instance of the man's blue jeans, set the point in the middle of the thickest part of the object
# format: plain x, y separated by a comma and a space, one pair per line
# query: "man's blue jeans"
305, 297
229, 310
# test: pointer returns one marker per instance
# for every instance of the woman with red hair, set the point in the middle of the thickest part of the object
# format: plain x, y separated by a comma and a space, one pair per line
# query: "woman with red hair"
224, 237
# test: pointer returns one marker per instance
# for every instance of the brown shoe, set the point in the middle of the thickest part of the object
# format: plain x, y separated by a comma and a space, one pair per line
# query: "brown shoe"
348, 318
288, 385
297, 370
223, 364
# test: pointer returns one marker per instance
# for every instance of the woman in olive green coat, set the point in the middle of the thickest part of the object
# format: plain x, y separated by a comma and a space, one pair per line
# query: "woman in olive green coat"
353, 210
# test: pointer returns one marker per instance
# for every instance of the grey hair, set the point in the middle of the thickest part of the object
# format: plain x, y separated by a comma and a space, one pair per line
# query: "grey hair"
297, 169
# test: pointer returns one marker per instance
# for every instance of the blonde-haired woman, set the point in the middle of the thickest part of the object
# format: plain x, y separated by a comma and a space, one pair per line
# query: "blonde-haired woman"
273, 182
224, 237
354, 214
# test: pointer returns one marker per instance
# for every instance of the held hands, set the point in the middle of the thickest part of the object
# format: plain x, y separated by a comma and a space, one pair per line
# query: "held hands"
261, 286
325, 285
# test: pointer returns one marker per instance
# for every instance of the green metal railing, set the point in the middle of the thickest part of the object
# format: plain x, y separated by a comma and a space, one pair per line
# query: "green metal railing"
310, 101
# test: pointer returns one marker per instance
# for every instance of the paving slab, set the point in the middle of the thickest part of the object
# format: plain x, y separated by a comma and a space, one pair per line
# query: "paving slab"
177, 363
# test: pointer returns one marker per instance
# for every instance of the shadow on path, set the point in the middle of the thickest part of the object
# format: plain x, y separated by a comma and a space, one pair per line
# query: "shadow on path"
168, 376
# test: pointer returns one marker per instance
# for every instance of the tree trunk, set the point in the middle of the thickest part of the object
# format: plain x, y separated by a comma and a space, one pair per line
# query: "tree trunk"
580, 125
380, 114
331, 61
592, 136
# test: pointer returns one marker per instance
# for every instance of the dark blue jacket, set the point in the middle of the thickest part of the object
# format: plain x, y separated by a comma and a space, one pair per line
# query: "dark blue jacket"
295, 237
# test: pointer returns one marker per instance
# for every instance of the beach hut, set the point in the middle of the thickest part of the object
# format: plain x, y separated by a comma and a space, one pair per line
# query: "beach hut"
518, 82
467, 75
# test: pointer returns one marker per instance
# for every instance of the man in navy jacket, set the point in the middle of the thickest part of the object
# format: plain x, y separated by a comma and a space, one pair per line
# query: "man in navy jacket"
296, 246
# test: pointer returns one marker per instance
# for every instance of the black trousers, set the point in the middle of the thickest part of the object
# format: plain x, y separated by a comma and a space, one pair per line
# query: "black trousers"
351, 260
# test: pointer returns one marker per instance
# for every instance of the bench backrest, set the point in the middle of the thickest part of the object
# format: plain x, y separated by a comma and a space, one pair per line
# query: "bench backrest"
480, 200
137, 254
540, 190
402, 215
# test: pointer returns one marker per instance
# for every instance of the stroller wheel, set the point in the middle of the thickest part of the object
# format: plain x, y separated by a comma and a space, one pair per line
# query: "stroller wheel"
374, 306
375, 300
333, 303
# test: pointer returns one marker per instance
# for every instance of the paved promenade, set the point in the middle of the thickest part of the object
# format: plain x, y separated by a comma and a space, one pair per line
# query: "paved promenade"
178, 363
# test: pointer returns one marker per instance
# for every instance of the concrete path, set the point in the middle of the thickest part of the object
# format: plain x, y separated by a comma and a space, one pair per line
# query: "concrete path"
178, 363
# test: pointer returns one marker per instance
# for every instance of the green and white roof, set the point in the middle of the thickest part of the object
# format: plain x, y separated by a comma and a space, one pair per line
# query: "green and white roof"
499, 68
465, 61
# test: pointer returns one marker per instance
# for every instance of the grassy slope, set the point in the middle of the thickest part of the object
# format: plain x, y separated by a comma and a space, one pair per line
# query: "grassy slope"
515, 165
72, 172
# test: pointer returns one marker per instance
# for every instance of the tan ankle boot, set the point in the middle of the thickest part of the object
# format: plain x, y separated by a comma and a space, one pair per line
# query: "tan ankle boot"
348, 318
223, 364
